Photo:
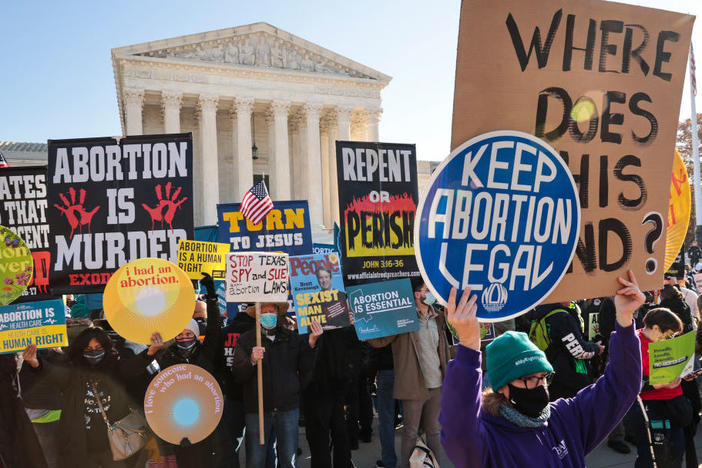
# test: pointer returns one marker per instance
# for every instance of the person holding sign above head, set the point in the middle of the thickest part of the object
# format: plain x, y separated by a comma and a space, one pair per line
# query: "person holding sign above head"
665, 404
188, 349
420, 360
513, 424
287, 359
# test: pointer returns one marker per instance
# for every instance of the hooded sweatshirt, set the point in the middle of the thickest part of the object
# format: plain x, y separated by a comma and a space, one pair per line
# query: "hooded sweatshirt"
474, 438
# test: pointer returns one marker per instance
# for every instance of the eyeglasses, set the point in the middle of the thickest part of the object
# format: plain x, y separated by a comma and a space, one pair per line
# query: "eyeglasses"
533, 381
668, 336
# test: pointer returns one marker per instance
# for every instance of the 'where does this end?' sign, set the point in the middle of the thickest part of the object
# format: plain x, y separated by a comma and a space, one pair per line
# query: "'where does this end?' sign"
257, 277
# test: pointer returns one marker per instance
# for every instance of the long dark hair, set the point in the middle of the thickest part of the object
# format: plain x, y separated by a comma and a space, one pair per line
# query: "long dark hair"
75, 350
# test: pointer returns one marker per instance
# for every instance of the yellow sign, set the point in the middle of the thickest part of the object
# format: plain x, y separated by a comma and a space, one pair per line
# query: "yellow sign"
183, 402
678, 211
40, 323
149, 295
195, 257
16, 266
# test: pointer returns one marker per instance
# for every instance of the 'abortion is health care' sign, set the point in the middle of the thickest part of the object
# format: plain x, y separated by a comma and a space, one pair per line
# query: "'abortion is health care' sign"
501, 216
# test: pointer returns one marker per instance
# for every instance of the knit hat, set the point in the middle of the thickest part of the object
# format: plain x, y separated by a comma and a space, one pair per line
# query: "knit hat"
193, 327
511, 356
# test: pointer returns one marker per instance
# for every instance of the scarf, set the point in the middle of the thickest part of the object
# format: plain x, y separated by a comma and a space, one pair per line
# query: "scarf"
517, 418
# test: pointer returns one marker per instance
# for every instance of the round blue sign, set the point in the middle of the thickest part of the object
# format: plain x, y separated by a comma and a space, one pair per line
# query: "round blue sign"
501, 215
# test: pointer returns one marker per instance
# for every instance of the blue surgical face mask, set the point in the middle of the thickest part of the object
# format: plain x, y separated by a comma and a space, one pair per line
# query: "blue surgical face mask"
429, 299
269, 321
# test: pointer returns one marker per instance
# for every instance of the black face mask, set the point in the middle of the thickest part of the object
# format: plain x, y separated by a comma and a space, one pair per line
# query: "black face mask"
94, 356
186, 346
529, 402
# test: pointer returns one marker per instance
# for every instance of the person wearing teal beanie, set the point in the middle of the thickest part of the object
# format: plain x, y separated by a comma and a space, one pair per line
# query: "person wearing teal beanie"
513, 424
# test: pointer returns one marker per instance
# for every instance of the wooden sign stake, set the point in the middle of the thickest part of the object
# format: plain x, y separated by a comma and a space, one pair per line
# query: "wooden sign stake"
259, 369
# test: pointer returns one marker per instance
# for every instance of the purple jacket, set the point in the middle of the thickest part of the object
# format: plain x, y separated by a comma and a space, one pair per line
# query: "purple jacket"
473, 438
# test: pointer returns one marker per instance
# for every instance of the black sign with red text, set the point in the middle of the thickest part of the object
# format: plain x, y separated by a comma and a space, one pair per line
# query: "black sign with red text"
112, 201
24, 211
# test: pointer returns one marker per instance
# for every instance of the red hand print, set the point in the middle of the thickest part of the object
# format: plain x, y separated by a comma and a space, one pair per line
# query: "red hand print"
75, 212
170, 203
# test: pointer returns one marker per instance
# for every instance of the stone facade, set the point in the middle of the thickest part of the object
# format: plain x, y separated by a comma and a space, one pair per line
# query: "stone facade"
248, 86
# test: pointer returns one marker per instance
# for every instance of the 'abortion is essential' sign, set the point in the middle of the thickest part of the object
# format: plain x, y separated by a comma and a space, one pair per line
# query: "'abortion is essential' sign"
501, 217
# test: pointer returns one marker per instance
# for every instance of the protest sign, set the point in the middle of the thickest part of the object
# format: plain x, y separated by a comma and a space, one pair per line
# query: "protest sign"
383, 309
501, 216
146, 296
601, 82
325, 249
112, 201
286, 228
195, 257
678, 212
183, 401
670, 359
16, 266
41, 323
318, 291
377, 204
23, 210
257, 277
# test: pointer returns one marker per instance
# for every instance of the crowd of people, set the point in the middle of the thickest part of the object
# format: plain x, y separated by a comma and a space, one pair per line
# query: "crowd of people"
541, 387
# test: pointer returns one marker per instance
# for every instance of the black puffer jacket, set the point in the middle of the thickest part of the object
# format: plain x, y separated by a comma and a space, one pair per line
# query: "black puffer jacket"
287, 363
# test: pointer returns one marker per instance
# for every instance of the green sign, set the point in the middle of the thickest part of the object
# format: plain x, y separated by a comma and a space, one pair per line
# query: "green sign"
16, 266
670, 359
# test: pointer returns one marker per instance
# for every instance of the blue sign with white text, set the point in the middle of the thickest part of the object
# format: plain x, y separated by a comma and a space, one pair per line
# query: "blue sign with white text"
286, 228
501, 216
384, 308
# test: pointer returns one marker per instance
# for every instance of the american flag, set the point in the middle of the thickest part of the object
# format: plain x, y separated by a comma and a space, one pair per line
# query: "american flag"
693, 80
3, 161
256, 203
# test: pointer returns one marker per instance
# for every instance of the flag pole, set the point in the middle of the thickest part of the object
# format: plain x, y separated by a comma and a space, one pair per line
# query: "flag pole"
695, 150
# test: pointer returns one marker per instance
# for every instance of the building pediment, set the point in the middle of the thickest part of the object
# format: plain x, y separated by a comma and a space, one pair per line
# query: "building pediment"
257, 46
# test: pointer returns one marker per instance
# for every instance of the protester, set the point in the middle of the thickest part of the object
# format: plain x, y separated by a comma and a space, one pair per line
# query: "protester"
673, 300
513, 424
420, 360
286, 359
91, 371
690, 298
385, 405
664, 402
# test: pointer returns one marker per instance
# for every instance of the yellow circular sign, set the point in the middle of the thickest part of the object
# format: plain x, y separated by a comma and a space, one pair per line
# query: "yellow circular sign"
183, 402
16, 266
149, 295
678, 211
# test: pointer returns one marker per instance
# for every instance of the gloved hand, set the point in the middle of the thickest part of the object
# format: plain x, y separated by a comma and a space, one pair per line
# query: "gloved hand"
209, 285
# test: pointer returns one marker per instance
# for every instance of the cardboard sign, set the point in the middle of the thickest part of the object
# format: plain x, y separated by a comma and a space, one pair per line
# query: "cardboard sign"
16, 266
41, 323
195, 257
285, 229
318, 291
670, 359
23, 209
501, 216
146, 296
377, 204
112, 201
601, 82
383, 309
183, 401
679, 211
257, 277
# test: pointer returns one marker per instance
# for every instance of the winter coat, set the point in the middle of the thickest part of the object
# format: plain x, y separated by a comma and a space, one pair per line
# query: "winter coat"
241, 323
287, 361
409, 380
472, 437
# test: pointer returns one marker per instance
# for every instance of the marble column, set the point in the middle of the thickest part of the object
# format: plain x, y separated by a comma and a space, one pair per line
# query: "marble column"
341, 130
171, 102
244, 161
312, 178
326, 189
133, 105
343, 120
373, 124
207, 109
280, 169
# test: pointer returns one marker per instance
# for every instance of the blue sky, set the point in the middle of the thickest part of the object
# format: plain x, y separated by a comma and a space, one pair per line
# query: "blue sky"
57, 79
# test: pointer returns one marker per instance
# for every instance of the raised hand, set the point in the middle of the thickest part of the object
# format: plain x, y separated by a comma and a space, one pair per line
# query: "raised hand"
30, 355
464, 319
628, 300
156, 344
209, 285
316, 331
